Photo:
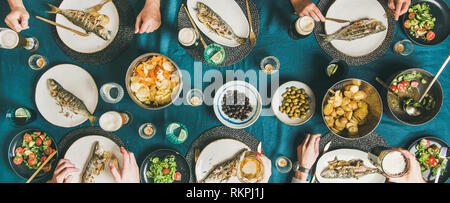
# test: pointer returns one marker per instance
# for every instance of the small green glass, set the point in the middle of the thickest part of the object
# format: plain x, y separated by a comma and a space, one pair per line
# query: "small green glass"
176, 133
214, 54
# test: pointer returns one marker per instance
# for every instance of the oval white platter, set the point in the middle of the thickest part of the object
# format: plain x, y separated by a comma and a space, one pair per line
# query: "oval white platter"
74, 79
230, 12
91, 43
359, 9
347, 154
79, 153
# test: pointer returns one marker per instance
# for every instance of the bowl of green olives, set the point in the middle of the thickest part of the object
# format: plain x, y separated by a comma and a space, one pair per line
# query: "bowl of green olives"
294, 103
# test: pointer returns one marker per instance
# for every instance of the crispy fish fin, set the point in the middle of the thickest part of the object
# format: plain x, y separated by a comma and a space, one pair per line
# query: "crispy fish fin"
326, 38
54, 9
92, 119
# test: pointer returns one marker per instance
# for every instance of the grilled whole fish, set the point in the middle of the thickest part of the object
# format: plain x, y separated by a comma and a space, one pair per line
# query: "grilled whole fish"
96, 163
91, 22
354, 168
355, 30
223, 171
215, 23
66, 99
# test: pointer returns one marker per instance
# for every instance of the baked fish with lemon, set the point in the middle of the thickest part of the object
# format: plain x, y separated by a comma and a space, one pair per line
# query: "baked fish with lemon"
355, 30
96, 163
354, 168
90, 21
216, 24
225, 170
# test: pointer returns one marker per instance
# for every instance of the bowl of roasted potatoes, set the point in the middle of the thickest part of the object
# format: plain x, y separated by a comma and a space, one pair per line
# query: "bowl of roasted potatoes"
352, 108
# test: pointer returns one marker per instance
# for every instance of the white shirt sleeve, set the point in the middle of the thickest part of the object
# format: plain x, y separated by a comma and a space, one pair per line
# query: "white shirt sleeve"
296, 180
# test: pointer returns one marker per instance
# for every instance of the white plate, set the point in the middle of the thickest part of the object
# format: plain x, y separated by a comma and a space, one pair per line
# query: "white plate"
91, 43
75, 80
254, 100
277, 100
353, 10
215, 153
79, 152
347, 154
230, 12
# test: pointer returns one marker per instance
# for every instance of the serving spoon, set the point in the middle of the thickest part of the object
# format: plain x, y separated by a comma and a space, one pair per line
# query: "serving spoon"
413, 111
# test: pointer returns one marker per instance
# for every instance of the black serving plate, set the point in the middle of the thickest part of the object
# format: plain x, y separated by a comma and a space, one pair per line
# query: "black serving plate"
182, 165
434, 140
22, 170
438, 9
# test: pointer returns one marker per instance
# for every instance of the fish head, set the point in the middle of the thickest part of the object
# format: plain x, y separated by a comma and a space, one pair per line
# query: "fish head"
379, 27
52, 84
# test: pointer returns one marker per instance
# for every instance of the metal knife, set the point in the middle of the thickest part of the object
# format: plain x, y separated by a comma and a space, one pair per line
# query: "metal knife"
442, 154
259, 149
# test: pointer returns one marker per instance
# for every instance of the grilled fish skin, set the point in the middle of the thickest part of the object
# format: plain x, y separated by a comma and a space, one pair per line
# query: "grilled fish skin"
355, 30
91, 22
354, 168
215, 23
223, 171
95, 164
66, 99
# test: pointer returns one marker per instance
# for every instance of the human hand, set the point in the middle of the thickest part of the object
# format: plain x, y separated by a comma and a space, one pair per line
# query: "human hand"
17, 19
399, 7
149, 19
130, 169
414, 174
308, 151
63, 171
307, 8
267, 164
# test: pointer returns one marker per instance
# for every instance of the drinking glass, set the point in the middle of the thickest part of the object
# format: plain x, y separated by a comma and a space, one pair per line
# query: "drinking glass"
194, 97
404, 47
37, 62
143, 131
270, 64
111, 92
176, 133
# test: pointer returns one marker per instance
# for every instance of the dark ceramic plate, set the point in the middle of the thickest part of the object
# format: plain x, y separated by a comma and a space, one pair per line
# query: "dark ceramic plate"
436, 91
22, 170
182, 165
427, 175
438, 9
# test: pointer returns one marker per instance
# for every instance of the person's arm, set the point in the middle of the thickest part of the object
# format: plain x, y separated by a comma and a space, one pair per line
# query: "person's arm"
149, 19
399, 7
17, 19
307, 8
130, 169
307, 154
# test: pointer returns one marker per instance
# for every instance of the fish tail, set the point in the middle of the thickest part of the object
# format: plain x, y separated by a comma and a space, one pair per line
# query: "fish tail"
92, 119
326, 38
54, 9
240, 40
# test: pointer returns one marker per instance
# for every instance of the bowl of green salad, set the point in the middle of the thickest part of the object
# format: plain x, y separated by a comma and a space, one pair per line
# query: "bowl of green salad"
165, 166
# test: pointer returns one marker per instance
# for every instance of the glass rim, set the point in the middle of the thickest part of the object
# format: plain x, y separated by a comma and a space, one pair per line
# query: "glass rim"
32, 57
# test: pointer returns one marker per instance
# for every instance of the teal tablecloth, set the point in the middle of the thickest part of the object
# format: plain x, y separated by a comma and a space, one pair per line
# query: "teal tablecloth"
301, 60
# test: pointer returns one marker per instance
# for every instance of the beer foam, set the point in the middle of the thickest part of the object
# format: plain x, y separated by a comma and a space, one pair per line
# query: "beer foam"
110, 121
8, 39
186, 36
304, 25
394, 163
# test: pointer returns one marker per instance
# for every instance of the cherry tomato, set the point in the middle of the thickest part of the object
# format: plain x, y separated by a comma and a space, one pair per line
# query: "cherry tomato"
411, 15
47, 142
32, 162
47, 167
37, 133
407, 24
42, 136
393, 88
18, 160
177, 176
32, 155
405, 83
48, 151
19, 151
430, 35
43, 159
414, 83
401, 87
38, 141
432, 161
27, 137
165, 171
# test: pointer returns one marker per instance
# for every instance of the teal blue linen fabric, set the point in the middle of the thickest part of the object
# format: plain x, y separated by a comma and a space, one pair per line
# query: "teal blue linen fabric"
301, 60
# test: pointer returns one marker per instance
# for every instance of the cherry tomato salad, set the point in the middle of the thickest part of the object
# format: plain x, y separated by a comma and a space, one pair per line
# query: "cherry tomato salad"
427, 155
405, 83
163, 170
420, 22
35, 149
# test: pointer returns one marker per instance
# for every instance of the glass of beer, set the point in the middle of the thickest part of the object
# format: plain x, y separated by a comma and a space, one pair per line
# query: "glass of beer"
302, 27
112, 120
391, 162
9, 39
250, 168
188, 38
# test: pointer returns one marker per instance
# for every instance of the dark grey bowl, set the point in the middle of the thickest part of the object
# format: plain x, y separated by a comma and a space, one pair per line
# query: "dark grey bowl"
397, 112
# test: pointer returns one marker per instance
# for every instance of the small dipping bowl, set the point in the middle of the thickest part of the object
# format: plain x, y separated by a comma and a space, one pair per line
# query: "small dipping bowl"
37, 62
270, 64
111, 92
144, 131
404, 47
283, 164
214, 54
194, 97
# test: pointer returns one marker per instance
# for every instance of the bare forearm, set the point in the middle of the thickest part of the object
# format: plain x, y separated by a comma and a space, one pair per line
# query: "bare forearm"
301, 176
153, 3
16, 3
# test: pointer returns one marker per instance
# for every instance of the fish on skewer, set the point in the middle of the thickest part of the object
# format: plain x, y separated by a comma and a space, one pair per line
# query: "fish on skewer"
96, 163
225, 170
216, 24
91, 22
66, 99
354, 168
355, 30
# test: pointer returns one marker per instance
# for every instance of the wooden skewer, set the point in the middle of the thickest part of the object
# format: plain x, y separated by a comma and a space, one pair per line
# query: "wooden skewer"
62, 26
43, 164
195, 27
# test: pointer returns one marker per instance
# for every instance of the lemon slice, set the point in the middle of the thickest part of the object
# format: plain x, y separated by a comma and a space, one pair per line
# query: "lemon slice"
182, 136
217, 57
22, 113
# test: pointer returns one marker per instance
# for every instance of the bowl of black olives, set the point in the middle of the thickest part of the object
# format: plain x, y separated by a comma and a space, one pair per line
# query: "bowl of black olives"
293, 103
237, 104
